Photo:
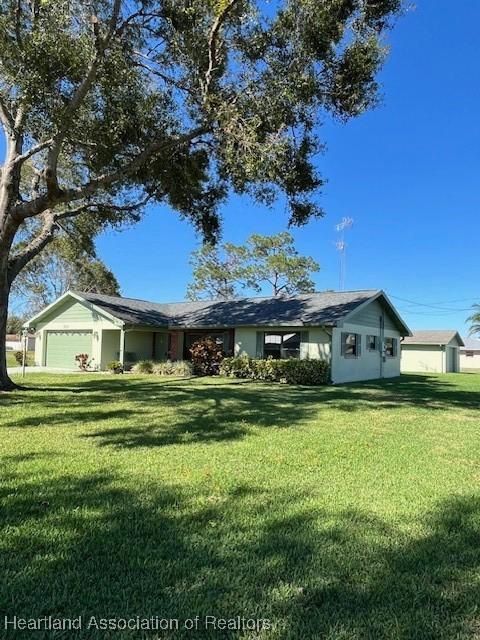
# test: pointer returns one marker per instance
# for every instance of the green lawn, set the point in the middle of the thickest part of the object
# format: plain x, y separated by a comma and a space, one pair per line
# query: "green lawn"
11, 362
337, 513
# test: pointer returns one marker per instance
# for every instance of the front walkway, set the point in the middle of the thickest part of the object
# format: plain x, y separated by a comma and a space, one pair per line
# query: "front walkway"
18, 370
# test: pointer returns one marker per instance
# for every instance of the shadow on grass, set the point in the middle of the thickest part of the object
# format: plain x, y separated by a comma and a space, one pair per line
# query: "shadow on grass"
431, 392
148, 412
91, 547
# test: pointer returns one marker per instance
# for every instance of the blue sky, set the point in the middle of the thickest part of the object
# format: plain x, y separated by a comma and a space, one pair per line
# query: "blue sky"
406, 172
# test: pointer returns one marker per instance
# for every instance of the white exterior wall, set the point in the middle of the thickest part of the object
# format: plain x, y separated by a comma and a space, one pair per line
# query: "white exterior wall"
370, 365
429, 358
73, 316
318, 346
470, 362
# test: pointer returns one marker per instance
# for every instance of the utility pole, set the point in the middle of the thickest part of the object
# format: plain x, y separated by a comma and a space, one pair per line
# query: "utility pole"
341, 246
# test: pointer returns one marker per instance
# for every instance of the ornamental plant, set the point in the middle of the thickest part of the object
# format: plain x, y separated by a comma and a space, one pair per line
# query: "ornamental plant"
207, 357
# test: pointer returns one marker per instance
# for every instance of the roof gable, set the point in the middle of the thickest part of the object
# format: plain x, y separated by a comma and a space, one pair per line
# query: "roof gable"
378, 303
60, 303
434, 337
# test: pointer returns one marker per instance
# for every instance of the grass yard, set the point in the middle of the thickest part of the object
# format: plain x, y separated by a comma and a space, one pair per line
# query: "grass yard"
339, 513
11, 362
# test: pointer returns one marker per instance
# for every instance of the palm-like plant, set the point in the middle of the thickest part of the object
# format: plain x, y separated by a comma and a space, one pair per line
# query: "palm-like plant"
475, 320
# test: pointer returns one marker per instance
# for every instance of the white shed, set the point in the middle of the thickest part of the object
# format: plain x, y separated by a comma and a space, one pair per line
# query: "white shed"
470, 355
433, 351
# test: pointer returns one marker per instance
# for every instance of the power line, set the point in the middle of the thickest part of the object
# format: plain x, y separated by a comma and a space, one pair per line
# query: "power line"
435, 305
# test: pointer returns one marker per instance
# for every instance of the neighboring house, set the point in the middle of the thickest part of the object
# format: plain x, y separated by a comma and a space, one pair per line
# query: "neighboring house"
15, 343
358, 332
432, 351
470, 354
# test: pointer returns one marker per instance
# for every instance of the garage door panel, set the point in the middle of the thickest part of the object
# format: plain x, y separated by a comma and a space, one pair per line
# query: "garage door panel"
63, 346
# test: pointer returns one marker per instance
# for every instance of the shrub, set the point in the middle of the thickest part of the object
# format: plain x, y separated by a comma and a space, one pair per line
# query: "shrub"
115, 366
18, 355
163, 368
180, 369
82, 359
292, 371
239, 367
207, 356
269, 370
143, 366
307, 372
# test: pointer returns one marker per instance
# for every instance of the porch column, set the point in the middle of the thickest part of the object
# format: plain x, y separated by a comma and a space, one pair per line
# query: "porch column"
122, 347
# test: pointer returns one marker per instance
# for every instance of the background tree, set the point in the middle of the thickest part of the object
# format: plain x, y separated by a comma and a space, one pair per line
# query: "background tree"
110, 104
14, 324
275, 261
475, 320
57, 269
220, 272
217, 272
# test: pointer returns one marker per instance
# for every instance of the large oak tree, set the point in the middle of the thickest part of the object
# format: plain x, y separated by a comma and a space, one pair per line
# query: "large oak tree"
110, 104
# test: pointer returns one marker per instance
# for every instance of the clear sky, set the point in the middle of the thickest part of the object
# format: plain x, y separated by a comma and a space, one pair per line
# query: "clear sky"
407, 172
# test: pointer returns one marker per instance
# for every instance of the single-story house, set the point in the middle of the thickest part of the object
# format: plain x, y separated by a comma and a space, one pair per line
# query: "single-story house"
435, 351
358, 332
470, 354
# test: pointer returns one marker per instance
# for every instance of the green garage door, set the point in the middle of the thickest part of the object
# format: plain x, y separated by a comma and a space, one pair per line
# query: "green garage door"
63, 346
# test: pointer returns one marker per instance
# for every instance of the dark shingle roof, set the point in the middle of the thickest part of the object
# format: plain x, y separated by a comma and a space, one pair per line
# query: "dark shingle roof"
433, 336
304, 309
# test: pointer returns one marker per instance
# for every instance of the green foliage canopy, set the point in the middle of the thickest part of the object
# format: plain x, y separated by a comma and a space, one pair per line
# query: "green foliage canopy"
219, 272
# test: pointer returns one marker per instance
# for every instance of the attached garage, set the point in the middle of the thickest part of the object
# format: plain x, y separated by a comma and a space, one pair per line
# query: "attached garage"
434, 351
62, 347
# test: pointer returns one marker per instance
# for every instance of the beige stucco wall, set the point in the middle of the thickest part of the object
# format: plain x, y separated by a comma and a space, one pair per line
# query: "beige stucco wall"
418, 357
317, 347
431, 358
472, 362
370, 365
73, 315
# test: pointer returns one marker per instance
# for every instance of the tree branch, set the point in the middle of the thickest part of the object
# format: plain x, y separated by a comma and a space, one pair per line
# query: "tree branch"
49, 201
212, 46
72, 213
78, 97
32, 151
33, 248
6, 117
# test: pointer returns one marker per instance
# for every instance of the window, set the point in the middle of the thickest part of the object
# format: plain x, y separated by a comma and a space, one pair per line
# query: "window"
281, 345
391, 347
351, 345
469, 354
372, 343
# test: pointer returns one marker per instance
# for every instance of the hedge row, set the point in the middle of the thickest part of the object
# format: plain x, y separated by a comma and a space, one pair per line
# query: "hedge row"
292, 371
180, 368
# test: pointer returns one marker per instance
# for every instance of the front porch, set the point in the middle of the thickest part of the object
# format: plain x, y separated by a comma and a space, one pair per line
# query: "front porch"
129, 346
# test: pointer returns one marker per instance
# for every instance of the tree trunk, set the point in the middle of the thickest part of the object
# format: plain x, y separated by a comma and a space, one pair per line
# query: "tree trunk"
5, 383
